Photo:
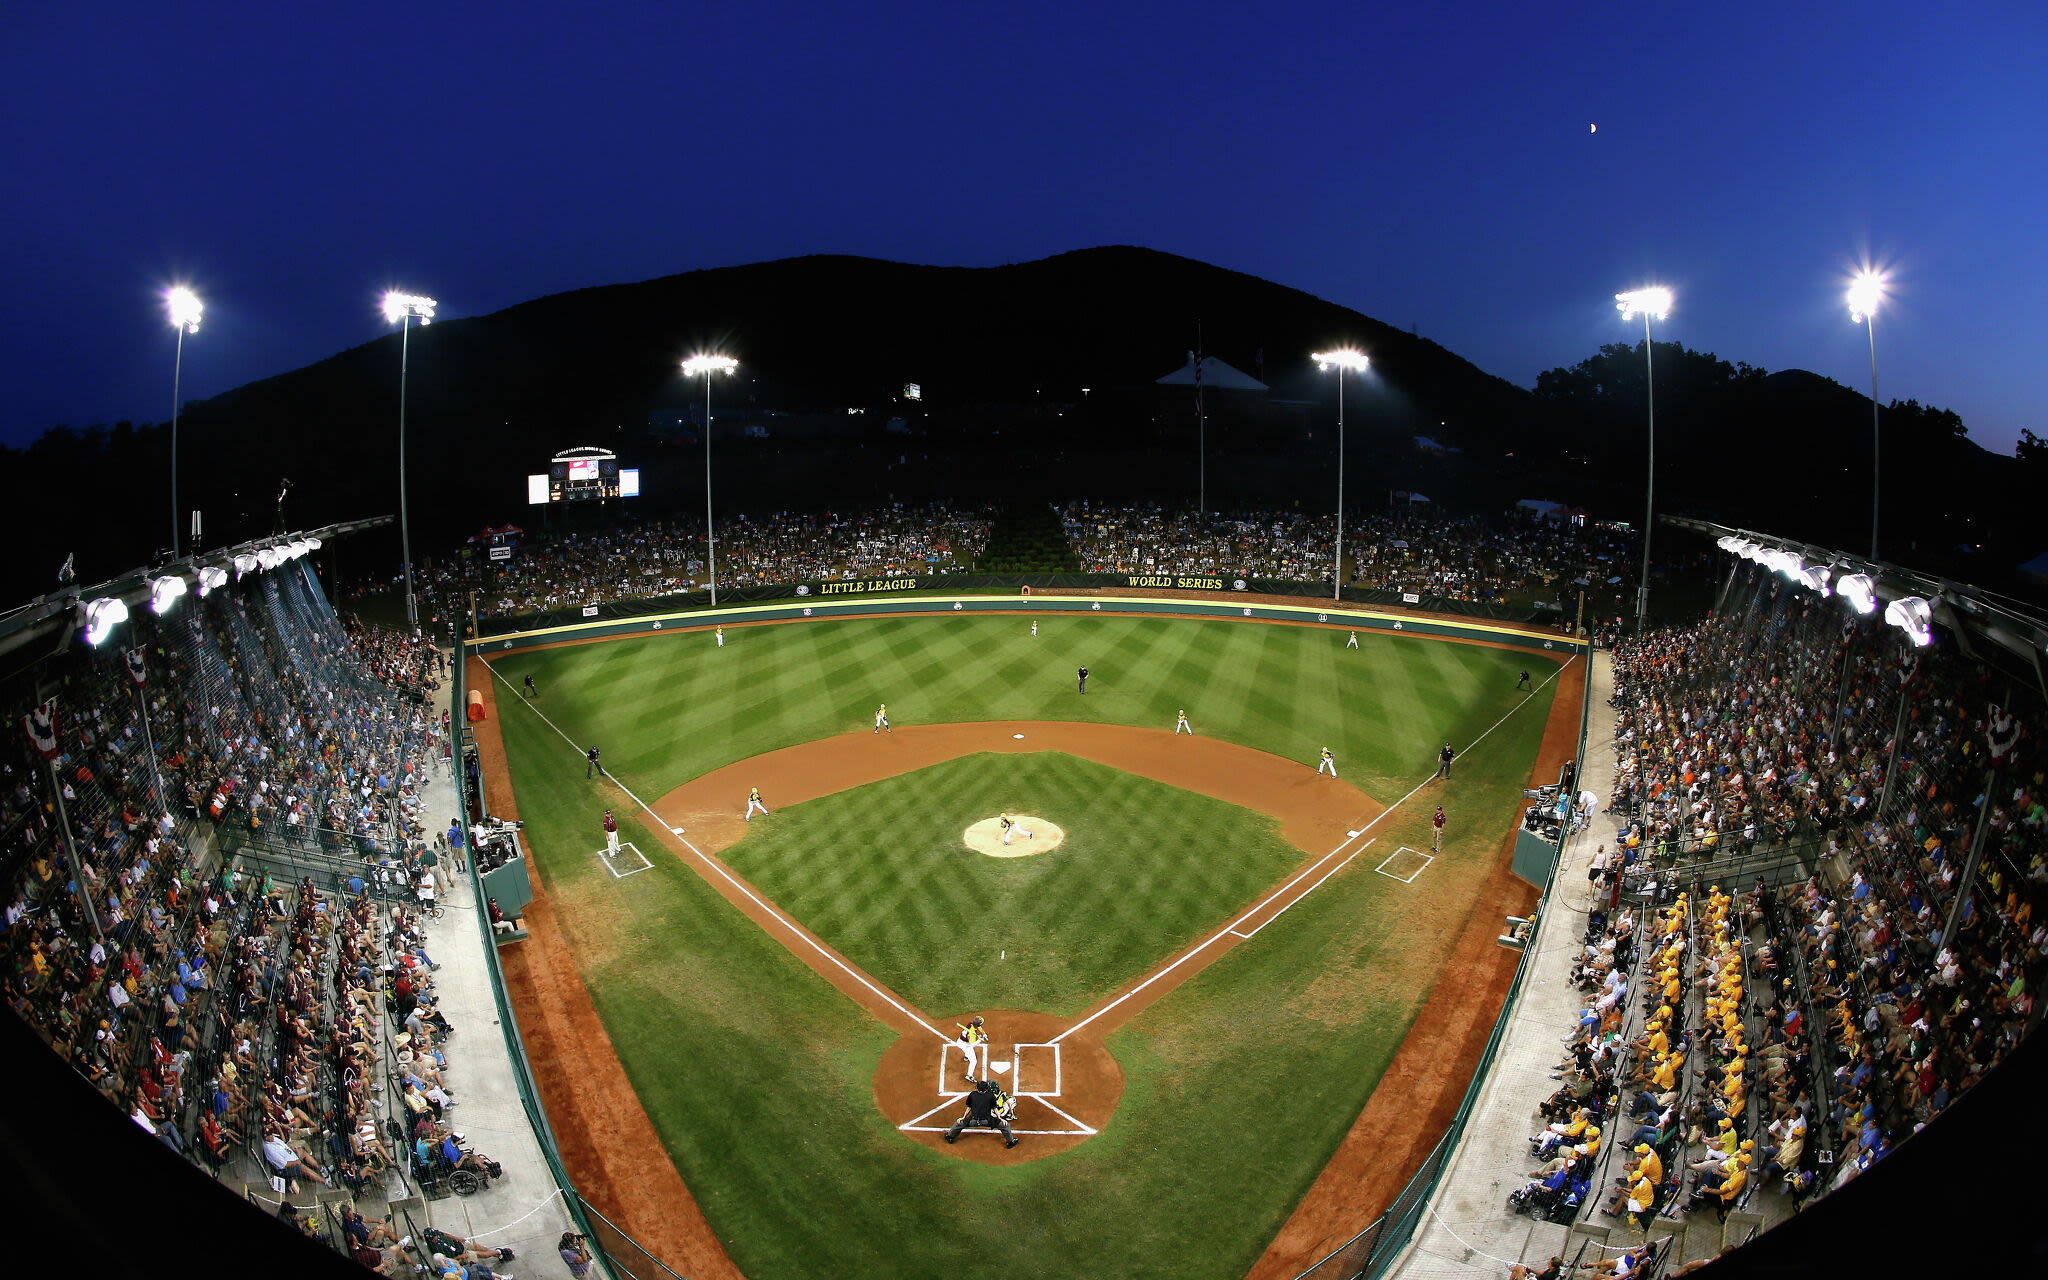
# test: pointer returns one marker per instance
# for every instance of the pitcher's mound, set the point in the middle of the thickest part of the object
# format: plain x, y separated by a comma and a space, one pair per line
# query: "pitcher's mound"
986, 837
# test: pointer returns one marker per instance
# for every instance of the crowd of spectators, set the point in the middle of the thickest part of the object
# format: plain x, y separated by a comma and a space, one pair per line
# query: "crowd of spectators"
646, 561
1488, 561
249, 1019
1797, 1028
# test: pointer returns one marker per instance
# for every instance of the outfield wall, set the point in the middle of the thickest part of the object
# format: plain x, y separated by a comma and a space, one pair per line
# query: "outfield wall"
599, 627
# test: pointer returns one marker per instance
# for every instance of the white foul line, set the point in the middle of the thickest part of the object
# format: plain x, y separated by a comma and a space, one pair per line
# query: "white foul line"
791, 925
1305, 892
1231, 928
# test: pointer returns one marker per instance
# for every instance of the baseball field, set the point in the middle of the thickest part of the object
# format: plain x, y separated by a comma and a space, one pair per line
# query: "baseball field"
744, 1031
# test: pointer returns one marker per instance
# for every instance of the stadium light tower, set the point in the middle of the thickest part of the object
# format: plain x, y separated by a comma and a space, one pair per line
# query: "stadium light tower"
706, 366
1357, 363
1866, 291
184, 307
402, 309
1654, 303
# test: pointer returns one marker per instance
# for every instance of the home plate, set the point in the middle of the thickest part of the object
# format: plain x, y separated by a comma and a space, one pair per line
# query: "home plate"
1016, 735
998, 1066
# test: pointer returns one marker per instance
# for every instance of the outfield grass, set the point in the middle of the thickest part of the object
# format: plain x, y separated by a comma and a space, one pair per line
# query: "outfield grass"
669, 707
759, 1075
881, 873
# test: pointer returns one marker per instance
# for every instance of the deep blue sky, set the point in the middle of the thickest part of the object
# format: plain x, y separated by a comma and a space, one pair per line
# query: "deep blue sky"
1425, 169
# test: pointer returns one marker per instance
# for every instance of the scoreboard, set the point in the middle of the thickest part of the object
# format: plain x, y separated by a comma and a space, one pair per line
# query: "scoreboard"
582, 475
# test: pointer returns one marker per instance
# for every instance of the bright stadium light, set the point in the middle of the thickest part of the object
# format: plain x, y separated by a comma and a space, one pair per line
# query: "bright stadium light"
184, 308
402, 309
297, 548
1858, 590
164, 592
210, 577
1815, 578
1866, 291
704, 366
101, 617
408, 306
1652, 303
246, 563
1343, 359
1914, 616
312, 543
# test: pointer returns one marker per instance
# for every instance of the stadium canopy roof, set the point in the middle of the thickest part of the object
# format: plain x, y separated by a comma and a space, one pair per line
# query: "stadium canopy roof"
1215, 374
1988, 627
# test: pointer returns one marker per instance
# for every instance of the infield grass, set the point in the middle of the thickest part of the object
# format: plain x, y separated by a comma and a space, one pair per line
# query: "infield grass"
881, 872
758, 1074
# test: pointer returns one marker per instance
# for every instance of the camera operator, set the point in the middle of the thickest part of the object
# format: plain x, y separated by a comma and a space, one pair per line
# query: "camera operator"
575, 1251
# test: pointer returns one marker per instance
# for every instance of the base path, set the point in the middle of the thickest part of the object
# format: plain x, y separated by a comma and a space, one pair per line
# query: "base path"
1419, 1095
1315, 812
604, 1135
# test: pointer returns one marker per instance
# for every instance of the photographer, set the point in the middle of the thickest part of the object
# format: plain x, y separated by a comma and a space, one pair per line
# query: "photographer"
575, 1251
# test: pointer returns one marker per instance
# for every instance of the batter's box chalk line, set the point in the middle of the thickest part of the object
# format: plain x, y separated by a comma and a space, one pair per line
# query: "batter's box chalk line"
1421, 867
950, 1093
622, 866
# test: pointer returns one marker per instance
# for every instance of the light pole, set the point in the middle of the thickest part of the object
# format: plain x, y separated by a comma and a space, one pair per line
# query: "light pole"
402, 309
1357, 363
708, 365
1655, 303
1865, 292
184, 307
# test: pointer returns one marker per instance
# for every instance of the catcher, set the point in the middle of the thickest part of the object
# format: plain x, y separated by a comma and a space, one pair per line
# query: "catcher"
988, 1107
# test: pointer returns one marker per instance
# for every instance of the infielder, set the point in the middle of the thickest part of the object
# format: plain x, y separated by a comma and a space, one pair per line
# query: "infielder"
1329, 764
754, 802
1437, 831
882, 718
1180, 724
972, 1040
1352, 643
611, 834
1011, 827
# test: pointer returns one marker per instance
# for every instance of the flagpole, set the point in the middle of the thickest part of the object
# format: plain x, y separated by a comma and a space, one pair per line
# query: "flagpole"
1201, 434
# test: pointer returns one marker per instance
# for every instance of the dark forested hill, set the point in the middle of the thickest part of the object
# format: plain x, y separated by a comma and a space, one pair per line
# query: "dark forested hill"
1037, 379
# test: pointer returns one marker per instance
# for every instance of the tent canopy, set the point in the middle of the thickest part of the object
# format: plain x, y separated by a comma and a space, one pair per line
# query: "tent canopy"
1215, 373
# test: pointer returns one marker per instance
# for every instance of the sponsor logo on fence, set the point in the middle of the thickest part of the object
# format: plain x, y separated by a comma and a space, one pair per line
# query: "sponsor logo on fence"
803, 589
590, 611
1409, 597
860, 585
1169, 580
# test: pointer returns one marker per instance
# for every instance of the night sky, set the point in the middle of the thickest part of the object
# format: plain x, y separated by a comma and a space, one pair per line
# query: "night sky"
1433, 170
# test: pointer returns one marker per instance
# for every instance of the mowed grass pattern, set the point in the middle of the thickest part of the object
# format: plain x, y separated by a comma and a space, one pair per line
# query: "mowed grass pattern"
880, 871
758, 1074
669, 707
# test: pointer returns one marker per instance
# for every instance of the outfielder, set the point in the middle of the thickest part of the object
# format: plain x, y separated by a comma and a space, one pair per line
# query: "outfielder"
1180, 725
1352, 643
1011, 827
720, 633
972, 1040
754, 802
1034, 629
882, 718
1329, 764
611, 834
1437, 831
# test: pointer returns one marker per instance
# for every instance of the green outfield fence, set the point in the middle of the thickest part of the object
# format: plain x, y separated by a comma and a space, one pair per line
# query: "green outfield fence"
1368, 1252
